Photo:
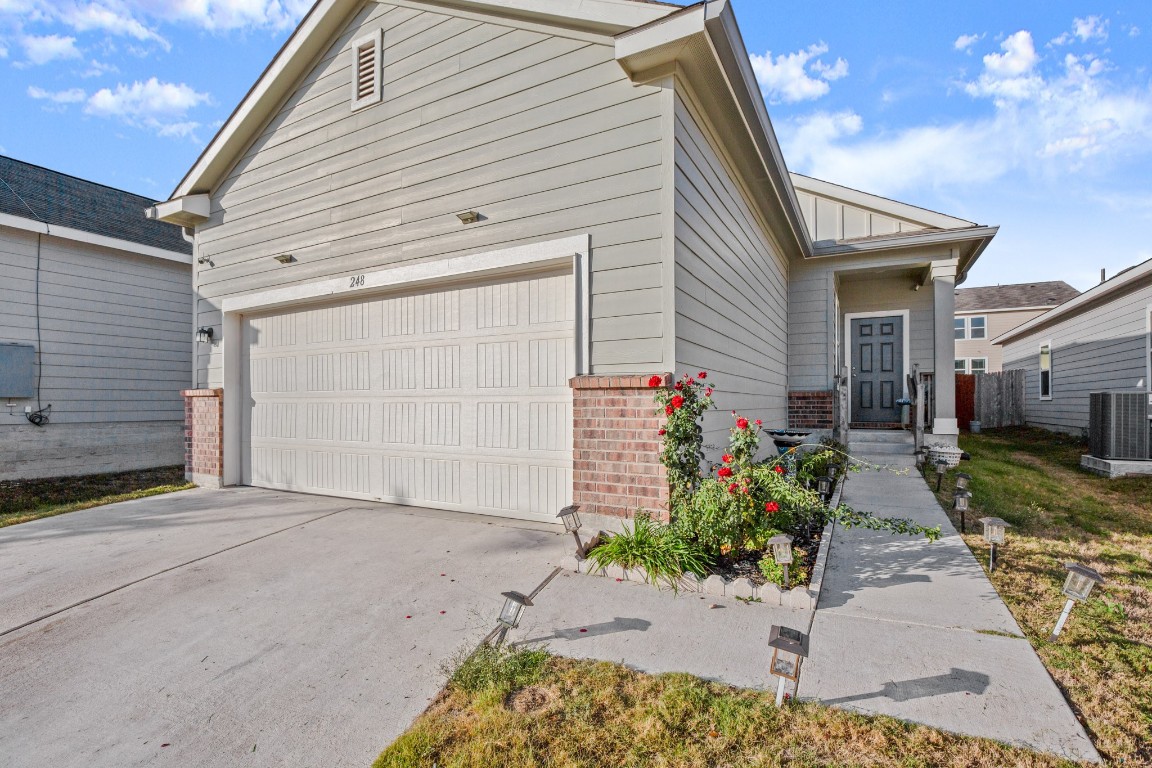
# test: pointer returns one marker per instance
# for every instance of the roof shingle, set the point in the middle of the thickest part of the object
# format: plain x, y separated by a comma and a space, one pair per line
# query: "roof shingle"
1046, 294
66, 201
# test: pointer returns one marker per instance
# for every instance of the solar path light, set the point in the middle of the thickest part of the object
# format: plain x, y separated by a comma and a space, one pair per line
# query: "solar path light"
509, 618
960, 504
571, 518
789, 649
1077, 587
781, 545
962, 479
941, 468
994, 533
921, 455
824, 488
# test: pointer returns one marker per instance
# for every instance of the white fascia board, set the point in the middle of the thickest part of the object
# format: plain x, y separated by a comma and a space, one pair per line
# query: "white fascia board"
609, 16
671, 30
933, 237
187, 211
1140, 273
884, 205
80, 236
510, 260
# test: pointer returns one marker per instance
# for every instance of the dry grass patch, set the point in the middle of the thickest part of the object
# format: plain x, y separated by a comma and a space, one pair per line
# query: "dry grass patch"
24, 500
1103, 659
586, 713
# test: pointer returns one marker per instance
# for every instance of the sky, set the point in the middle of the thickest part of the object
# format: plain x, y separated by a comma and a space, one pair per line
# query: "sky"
1034, 116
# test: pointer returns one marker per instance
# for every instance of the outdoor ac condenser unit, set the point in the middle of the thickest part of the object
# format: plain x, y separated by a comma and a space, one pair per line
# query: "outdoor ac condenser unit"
1118, 425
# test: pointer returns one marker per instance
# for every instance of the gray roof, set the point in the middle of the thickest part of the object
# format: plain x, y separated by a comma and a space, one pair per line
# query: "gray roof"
1047, 294
66, 201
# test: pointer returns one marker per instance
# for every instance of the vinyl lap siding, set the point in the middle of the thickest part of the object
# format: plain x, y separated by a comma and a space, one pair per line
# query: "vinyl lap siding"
1102, 348
886, 293
731, 294
541, 134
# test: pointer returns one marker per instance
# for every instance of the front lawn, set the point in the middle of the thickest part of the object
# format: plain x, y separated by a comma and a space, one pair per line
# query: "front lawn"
527, 709
24, 500
1103, 658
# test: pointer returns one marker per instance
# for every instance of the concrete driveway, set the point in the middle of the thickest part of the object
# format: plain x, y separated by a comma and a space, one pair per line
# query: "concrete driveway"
241, 627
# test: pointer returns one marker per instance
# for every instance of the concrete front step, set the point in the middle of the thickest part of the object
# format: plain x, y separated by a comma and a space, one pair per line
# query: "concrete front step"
880, 436
888, 449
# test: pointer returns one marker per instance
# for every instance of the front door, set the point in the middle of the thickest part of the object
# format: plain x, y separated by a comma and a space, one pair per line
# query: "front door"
877, 368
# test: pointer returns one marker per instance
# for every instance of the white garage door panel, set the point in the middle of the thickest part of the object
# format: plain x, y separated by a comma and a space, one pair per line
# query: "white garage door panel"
455, 399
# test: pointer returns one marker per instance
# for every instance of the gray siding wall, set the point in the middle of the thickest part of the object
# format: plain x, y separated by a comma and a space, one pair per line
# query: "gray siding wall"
116, 330
542, 134
1102, 348
731, 286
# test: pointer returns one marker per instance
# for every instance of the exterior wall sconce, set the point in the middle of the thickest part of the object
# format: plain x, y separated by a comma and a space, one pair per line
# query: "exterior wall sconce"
781, 545
960, 504
994, 533
789, 649
285, 258
468, 217
204, 334
202, 260
571, 518
1081, 579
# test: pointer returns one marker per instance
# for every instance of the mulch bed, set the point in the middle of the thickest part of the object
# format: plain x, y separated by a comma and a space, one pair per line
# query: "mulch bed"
746, 563
29, 495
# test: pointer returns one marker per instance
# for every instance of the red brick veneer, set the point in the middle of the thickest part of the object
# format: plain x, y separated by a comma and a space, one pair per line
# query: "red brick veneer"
616, 448
204, 436
811, 410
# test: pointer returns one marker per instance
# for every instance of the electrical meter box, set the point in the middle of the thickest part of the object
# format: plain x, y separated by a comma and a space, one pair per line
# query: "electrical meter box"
17, 370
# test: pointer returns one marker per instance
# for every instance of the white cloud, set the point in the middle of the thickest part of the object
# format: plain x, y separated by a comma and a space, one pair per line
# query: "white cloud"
70, 96
1133, 31
47, 48
1091, 28
116, 21
964, 42
3, 51
1063, 117
98, 68
161, 107
799, 76
228, 14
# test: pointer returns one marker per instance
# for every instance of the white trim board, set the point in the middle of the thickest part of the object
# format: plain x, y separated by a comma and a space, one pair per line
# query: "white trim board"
80, 236
905, 316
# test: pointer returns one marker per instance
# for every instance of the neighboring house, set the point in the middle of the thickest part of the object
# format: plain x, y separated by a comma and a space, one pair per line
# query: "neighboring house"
986, 312
95, 328
445, 246
1099, 341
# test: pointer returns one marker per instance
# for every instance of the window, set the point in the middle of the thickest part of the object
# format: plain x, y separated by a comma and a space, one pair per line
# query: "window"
961, 365
978, 365
971, 327
366, 70
1046, 371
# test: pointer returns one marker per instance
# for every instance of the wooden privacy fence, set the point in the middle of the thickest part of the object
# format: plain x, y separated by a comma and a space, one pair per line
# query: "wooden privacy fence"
993, 399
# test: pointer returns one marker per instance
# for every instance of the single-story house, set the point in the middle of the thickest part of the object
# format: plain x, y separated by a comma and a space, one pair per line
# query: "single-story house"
446, 244
985, 312
1098, 341
95, 328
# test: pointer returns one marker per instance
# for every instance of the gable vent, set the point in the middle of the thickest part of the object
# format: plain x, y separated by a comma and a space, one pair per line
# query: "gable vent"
366, 71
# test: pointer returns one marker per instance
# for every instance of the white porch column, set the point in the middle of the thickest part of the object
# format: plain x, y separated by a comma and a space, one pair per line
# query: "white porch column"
944, 427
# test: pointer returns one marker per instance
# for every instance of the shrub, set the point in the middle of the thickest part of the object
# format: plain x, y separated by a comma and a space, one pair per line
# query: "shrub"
774, 572
682, 448
663, 553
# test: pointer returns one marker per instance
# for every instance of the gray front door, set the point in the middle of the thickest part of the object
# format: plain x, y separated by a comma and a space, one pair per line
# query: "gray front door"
877, 368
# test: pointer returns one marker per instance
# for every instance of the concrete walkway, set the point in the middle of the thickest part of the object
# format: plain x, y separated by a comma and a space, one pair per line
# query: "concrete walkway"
915, 630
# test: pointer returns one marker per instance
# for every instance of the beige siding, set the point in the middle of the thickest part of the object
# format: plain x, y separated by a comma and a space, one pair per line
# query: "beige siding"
998, 323
731, 286
541, 134
829, 219
1099, 349
811, 326
116, 334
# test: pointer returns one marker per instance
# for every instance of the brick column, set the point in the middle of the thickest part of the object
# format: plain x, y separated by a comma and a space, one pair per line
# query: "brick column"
204, 437
616, 448
811, 409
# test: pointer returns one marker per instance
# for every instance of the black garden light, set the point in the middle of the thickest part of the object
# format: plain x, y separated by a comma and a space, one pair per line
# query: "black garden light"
1081, 579
789, 649
781, 545
824, 488
941, 468
962, 480
960, 504
994, 533
571, 518
921, 455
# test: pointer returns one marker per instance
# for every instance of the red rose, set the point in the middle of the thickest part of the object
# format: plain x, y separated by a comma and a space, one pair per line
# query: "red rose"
759, 423
778, 469
691, 380
668, 410
727, 458
662, 432
708, 391
742, 423
725, 472
747, 492
655, 381
771, 507
702, 375
679, 386
732, 488
677, 401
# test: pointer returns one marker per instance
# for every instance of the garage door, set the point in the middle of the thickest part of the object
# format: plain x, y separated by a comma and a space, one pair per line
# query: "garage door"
453, 398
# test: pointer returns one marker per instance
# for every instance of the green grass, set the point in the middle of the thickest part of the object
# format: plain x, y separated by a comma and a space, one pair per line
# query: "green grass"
1103, 659
525, 709
25, 500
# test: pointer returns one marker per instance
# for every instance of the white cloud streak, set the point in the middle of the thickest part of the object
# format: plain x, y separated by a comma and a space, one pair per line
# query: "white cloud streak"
965, 42
70, 96
798, 76
47, 48
152, 104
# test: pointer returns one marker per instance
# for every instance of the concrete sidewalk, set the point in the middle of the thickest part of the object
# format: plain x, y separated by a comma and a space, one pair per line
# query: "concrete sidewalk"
915, 630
